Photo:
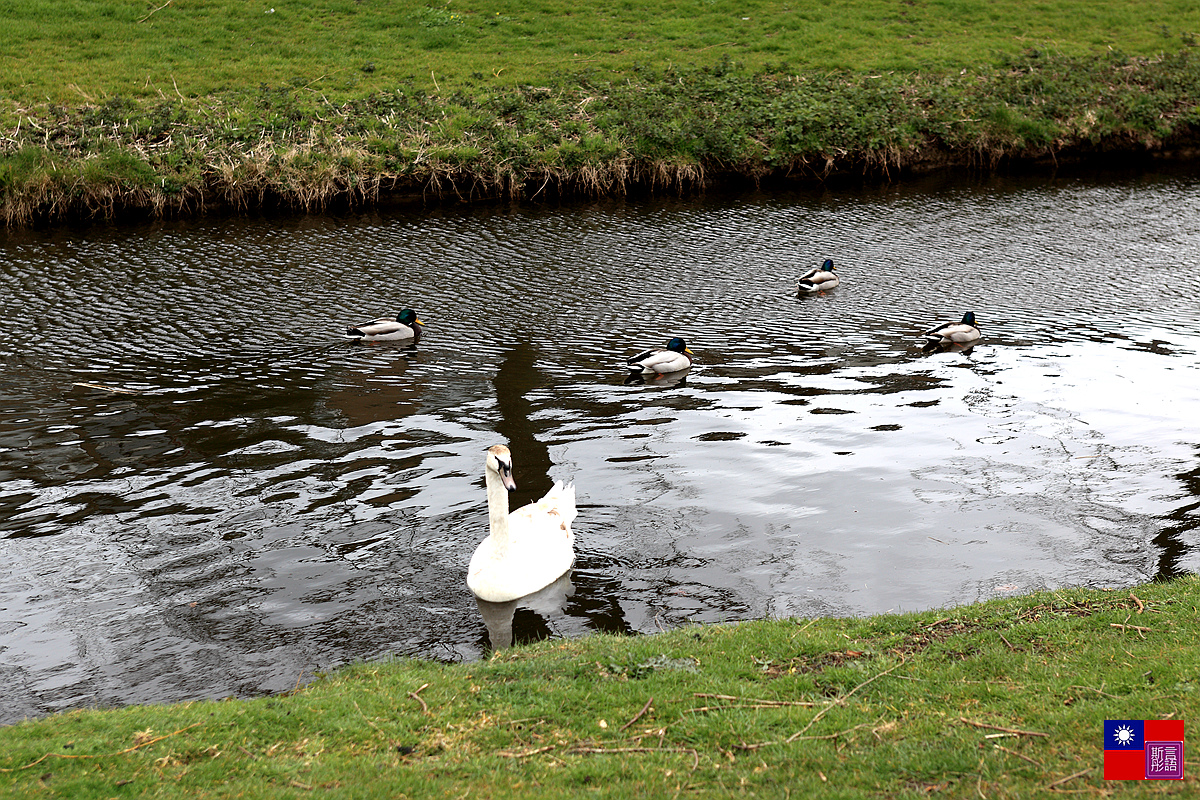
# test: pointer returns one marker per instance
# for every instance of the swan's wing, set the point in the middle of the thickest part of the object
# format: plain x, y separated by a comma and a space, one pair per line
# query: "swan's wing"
545, 523
561, 499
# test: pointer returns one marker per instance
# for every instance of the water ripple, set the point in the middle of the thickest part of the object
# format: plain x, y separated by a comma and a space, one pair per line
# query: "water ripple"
272, 499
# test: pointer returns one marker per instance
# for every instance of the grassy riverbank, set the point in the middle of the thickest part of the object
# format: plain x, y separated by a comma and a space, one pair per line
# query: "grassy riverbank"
1001, 699
172, 108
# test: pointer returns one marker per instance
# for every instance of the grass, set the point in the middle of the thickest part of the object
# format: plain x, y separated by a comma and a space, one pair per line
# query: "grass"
303, 104
172, 107
65, 50
995, 700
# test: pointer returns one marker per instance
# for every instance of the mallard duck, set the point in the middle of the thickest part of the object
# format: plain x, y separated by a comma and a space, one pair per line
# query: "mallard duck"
818, 279
528, 549
404, 326
661, 360
952, 333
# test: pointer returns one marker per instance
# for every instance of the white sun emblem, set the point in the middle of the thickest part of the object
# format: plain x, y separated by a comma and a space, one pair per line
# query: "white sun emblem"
1123, 735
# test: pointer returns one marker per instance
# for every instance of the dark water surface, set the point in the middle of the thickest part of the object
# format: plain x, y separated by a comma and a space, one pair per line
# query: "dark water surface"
275, 500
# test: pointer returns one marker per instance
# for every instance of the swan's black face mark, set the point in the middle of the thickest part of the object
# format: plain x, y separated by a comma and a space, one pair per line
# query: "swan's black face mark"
505, 470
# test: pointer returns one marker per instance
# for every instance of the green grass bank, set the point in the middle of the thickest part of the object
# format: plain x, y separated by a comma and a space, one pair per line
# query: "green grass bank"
1004, 699
179, 106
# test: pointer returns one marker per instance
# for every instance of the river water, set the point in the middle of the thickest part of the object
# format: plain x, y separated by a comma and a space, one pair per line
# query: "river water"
273, 501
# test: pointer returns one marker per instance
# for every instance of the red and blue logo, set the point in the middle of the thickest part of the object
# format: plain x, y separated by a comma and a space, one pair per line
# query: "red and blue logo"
1143, 749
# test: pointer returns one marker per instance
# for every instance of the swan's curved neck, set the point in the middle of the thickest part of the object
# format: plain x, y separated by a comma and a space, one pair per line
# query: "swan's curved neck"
497, 509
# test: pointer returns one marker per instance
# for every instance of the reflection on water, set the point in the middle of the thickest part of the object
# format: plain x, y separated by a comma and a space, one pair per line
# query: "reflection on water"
273, 500
545, 605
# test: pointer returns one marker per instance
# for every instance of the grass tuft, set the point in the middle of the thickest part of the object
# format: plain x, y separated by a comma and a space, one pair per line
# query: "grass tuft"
318, 103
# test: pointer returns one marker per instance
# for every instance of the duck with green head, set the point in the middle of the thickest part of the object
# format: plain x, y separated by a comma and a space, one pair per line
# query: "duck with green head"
661, 360
818, 279
404, 326
950, 334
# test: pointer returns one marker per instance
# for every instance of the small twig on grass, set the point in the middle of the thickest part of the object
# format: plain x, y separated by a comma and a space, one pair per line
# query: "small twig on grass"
761, 745
998, 728
1141, 631
638, 715
748, 707
160, 8
833, 735
326, 75
369, 722
601, 750
1141, 605
414, 696
1061, 781
837, 701
1097, 691
526, 753
81, 92
747, 702
104, 755
1018, 755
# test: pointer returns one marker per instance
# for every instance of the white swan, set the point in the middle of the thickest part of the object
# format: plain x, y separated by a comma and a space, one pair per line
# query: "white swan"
528, 549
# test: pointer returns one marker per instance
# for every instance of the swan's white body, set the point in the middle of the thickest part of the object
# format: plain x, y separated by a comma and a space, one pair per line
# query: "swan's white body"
528, 549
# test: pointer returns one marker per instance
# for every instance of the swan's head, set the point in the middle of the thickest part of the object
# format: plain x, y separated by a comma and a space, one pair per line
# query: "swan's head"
969, 318
677, 345
499, 461
828, 265
408, 317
